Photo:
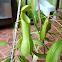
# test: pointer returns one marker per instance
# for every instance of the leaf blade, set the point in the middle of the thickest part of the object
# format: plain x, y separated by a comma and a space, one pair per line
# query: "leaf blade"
54, 52
56, 14
3, 43
38, 42
47, 39
22, 59
40, 55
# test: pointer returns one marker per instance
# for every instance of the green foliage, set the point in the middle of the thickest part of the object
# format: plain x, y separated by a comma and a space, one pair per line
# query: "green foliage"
44, 29
56, 14
3, 43
22, 59
38, 42
61, 60
43, 17
54, 52
47, 39
3, 60
40, 55
36, 14
25, 42
9, 59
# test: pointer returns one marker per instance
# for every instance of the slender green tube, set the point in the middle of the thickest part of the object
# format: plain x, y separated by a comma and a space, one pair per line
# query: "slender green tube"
27, 44
43, 32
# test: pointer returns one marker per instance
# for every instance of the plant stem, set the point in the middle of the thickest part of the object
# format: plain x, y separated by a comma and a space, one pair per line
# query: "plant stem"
44, 47
15, 33
39, 15
40, 21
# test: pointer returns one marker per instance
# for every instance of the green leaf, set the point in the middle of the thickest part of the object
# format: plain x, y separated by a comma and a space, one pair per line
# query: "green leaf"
38, 42
26, 8
61, 60
43, 20
42, 13
9, 59
40, 55
37, 17
54, 52
61, 46
47, 39
3, 43
22, 59
56, 14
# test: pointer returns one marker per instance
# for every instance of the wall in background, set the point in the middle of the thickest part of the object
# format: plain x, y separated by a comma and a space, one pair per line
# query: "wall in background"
5, 9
